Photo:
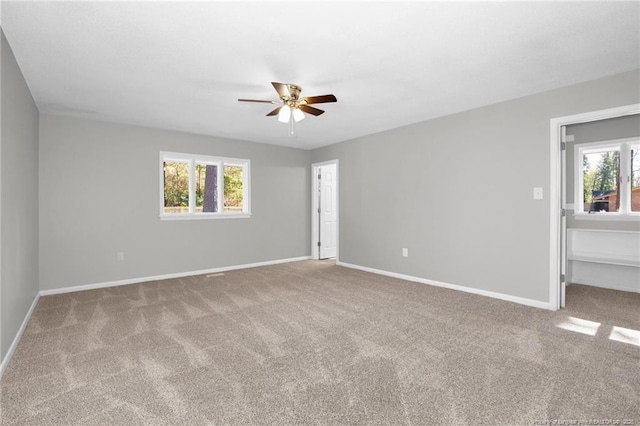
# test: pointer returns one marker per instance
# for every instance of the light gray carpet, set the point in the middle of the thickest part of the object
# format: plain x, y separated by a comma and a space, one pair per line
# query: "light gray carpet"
314, 343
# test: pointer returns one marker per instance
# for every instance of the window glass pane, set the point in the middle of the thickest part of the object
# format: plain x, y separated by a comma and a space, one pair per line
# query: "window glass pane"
601, 180
206, 188
193, 185
176, 187
635, 178
233, 188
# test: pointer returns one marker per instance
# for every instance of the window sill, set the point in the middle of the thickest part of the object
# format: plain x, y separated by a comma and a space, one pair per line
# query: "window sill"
608, 216
203, 216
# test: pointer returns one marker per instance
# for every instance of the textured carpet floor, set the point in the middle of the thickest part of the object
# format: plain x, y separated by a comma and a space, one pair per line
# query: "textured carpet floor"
314, 343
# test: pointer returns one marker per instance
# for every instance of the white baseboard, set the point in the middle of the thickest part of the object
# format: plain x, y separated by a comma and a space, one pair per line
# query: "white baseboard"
501, 296
16, 339
168, 276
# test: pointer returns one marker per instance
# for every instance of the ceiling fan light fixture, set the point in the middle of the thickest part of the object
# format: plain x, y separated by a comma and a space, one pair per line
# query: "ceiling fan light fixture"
293, 108
298, 115
285, 114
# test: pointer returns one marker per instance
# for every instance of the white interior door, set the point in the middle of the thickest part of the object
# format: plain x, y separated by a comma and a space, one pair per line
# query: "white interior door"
563, 218
327, 212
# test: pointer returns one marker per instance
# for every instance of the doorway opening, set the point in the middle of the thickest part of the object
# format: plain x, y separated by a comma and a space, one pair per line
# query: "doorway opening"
324, 210
557, 196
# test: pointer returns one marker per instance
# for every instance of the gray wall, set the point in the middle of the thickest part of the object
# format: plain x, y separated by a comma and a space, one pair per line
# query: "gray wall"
99, 194
19, 193
457, 191
602, 130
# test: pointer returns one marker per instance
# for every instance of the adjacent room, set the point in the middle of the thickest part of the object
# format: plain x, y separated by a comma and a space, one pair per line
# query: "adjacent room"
352, 212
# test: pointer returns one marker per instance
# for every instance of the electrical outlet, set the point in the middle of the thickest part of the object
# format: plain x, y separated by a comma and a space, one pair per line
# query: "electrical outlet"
405, 252
120, 256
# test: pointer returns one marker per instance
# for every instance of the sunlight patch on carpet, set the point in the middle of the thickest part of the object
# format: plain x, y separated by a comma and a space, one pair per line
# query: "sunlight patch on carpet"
625, 335
578, 325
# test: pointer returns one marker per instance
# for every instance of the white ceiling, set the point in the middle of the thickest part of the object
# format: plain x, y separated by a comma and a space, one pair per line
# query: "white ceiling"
182, 66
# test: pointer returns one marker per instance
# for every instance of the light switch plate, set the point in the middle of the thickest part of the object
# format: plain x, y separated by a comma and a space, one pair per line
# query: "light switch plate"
537, 193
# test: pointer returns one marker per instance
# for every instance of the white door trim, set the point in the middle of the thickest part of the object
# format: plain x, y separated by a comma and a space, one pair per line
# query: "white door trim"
555, 189
315, 253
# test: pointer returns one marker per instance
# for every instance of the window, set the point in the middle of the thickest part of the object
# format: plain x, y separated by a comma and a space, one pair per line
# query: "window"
198, 187
608, 179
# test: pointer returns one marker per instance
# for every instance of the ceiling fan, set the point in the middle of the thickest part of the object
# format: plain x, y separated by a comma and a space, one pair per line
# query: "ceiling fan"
291, 106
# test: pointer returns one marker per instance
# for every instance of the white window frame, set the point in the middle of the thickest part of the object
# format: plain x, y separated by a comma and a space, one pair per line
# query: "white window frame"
625, 213
192, 159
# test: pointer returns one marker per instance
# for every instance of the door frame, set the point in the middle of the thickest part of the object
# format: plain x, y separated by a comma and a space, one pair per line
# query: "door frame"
557, 201
315, 223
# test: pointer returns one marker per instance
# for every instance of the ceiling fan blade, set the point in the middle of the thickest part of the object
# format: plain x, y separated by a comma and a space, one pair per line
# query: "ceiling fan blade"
257, 100
282, 89
320, 99
310, 110
274, 112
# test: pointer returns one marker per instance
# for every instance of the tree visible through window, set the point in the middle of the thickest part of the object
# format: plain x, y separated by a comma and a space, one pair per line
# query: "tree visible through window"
608, 177
233, 186
206, 188
601, 177
176, 187
190, 185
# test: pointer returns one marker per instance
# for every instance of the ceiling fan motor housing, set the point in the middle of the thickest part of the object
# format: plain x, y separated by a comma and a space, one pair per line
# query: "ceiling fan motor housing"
294, 95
